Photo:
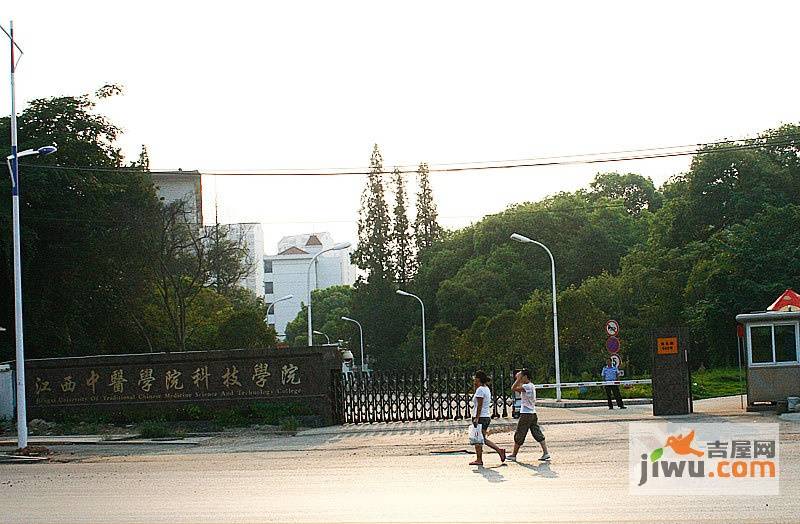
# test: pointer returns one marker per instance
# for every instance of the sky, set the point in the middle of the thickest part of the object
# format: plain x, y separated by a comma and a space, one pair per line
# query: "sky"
296, 85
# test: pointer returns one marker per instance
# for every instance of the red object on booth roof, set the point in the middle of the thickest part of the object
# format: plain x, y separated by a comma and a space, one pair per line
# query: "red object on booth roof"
739, 330
788, 301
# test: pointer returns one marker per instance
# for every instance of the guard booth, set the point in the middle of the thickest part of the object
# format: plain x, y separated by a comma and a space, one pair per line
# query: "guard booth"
672, 384
771, 342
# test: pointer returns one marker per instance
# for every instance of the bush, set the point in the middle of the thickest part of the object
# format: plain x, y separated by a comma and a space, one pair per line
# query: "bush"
230, 418
156, 429
289, 424
194, 412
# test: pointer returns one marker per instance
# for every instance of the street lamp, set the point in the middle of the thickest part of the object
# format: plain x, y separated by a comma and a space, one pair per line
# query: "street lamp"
272, 306
335, 247
526, 240
361, 337
12, 161
424, 348
327, 339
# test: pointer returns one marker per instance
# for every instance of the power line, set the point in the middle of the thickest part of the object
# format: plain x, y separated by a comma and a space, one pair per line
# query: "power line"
552, 161
34, 216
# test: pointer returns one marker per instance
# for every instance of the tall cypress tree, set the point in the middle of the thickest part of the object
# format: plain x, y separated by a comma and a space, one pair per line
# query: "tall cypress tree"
374, 253
401, 241
426, 227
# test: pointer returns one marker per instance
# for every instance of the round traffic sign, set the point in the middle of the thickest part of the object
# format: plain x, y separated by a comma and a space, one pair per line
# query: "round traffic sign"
612, 328
612, 344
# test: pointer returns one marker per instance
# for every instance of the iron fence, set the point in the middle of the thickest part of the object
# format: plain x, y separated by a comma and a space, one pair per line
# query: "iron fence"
405, 396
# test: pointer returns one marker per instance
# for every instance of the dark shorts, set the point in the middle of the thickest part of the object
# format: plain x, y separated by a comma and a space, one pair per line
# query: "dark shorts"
528, 422
484, 422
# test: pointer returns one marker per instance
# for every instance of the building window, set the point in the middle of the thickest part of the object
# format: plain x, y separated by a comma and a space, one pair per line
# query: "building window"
773, 344
268, 266
268, 288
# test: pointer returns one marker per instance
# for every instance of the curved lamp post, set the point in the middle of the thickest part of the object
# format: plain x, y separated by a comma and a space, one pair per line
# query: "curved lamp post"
272, 306
361, 337
327, 338
12, 161
526, 240
335, 247
424, 348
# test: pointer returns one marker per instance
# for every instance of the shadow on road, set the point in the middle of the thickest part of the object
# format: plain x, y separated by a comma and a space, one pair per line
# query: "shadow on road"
542, 470
490, 474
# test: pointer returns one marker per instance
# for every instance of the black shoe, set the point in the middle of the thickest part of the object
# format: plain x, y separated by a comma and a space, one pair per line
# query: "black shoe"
623, 407
610, 408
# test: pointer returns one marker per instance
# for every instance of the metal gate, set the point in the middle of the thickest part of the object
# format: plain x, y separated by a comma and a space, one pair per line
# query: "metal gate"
403, 396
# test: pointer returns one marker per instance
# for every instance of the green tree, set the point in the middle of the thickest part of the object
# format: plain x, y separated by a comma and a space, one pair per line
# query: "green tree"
374, 254
330, 305
401, 241
426, 225
85, 233
246, 329
189, 260
637, 192
743, 268
228, 257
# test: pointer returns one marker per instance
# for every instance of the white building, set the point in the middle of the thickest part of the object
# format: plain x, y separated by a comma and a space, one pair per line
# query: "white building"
252, 235
172, 186
286, 274
181, 185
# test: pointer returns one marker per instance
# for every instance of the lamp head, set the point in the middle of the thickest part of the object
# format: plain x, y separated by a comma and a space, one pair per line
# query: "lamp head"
348, 319
340, 245
42, 151
401, 292
287, 297
520, 238
46, 150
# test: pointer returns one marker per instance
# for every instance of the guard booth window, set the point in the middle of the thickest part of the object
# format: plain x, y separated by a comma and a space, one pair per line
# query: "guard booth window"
761, 342
785, 343
773, 344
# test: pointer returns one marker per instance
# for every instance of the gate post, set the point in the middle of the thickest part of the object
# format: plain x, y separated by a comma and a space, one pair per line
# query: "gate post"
672, 385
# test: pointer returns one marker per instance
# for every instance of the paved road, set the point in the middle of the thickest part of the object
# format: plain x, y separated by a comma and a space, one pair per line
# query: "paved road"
379, 473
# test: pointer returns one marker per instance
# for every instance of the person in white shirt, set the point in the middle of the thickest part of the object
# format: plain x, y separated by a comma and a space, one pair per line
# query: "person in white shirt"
481, 406
528, 420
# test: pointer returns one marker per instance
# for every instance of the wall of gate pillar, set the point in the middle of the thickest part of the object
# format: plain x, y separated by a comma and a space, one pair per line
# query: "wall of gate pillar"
672, 391
155, 382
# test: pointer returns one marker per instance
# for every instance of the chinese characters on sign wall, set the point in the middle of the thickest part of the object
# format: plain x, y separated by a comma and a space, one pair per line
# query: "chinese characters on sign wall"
668, 346
168, 381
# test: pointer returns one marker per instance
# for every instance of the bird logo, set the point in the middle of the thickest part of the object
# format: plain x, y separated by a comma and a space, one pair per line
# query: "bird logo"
680, 445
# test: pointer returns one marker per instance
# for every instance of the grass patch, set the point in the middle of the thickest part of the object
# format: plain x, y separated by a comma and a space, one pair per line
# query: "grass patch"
723, 382
598, 392
706, 383
157, 429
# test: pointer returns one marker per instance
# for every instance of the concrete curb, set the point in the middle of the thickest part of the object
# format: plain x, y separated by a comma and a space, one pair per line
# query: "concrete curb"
590, 403
68, 440
16, 459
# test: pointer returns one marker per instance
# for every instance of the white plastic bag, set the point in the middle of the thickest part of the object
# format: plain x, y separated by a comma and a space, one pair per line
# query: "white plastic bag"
476, 434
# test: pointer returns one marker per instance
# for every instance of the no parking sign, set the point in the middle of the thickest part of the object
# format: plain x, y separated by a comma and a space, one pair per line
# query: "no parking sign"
613, 343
